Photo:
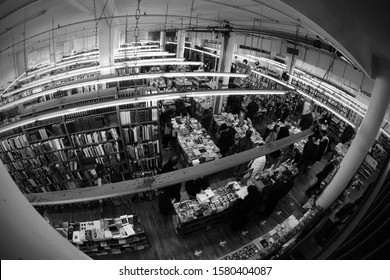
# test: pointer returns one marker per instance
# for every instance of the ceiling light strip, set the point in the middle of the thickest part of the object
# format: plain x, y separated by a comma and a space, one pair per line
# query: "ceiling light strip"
273, 79
326, 107
91, 69
343, 102
99, 80
138, 99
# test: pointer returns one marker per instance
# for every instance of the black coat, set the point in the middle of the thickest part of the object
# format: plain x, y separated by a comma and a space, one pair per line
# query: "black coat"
226, 140
283, 133
310, 152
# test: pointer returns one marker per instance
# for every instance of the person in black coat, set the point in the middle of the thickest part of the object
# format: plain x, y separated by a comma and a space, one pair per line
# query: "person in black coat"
245, 143
274, 193
194, 187
321, 176
323, 147
284, 132
245, 208
309, 155
252, 109
207, 118
306, 121
171, 193
226, 139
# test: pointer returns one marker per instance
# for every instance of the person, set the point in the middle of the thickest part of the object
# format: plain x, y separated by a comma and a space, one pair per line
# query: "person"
347, 134
252, 109
174, 190
245, 208
275, 192
310, 152
180, 107
330, 168
273, 134
283, 132
207, 118
323, 147
167, 134
234, 103
306, 121
194, 187
245, 143
257, 165
226, 139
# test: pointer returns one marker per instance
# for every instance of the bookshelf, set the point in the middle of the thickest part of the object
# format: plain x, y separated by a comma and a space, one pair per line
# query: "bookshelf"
85, 149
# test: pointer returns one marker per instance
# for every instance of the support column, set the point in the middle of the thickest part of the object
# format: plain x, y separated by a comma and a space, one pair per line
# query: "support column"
290, 66
181, 38
106, 46
225, 64
163, 39
25, 234
364, 138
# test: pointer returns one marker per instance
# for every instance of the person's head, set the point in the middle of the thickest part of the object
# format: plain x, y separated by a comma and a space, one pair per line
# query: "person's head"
276, 128
287, 174
173, 160
288, 125
249, 133
223, 127
252, 190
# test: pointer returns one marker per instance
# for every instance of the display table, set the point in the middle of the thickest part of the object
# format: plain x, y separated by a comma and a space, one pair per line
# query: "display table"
210, 207
194, 144
107, 236
182, 83
240, 127
279, 239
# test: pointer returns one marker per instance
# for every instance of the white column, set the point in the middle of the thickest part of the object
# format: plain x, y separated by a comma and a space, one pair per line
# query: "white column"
181, 38
363, 141
225, 64
106, 46
163, 39
24, 233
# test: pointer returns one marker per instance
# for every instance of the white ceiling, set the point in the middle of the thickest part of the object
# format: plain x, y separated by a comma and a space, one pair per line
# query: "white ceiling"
331, 20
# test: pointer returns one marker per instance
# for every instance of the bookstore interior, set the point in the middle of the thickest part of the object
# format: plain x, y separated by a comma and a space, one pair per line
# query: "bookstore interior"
188, 143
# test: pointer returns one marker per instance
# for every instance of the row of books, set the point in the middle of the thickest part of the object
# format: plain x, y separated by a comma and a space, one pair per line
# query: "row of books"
101, 150
132, 117
140, 133
143, 150
111, 109
17, 142
82, 124
146, 164
96, 137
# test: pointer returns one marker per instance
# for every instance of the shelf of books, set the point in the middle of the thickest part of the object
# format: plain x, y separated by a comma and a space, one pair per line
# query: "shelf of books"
84, 149
107, 236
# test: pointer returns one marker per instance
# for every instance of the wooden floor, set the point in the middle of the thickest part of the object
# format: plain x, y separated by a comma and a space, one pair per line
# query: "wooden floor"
166, 245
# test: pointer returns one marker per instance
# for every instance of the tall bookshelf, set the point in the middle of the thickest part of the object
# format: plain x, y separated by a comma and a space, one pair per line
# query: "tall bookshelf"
85, 149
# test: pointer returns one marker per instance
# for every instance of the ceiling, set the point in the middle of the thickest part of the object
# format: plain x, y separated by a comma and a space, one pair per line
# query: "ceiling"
355, 29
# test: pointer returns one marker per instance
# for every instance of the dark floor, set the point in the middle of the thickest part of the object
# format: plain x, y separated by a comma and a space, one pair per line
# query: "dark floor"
166, 245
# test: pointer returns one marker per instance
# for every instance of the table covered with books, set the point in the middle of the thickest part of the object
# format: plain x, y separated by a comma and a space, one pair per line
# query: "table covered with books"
194, 144
210, 207
278, 239
240, 126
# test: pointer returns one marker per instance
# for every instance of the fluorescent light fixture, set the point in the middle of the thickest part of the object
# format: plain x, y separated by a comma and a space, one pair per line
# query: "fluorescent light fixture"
120, 51
274, 79
281, 65
16, 125
349, 105
11, 84
385, 132
244, 57
328, 108
143, 98
211, 49
196, 50
99, 80
144, 55
58, 66
94, 53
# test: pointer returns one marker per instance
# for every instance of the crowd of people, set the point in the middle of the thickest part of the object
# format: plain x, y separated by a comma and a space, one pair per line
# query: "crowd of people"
261, 204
